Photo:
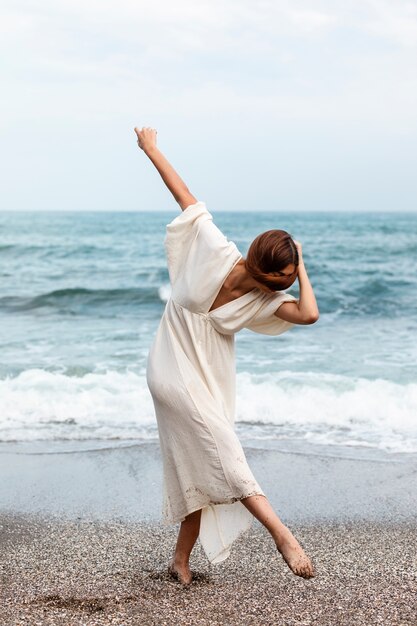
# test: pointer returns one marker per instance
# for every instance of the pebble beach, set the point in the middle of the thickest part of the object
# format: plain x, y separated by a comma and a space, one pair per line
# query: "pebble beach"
91, 574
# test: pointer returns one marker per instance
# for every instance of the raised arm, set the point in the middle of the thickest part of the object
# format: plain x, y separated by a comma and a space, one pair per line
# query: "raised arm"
306, 310
180, 191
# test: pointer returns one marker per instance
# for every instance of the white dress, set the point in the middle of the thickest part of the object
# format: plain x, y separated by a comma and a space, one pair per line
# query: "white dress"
191, 376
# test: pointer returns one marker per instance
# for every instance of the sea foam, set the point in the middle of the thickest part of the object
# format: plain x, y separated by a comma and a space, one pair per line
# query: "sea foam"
318, 408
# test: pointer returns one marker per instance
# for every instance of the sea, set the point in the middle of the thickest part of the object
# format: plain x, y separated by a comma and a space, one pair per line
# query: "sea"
82, 293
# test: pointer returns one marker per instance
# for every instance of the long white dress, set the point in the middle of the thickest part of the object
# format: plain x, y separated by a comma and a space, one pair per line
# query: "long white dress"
191, 376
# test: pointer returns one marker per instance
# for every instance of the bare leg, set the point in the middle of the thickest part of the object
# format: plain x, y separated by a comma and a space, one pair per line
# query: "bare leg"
287, 544
189, 531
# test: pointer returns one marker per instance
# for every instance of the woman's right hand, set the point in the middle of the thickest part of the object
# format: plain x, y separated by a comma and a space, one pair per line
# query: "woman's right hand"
146, 138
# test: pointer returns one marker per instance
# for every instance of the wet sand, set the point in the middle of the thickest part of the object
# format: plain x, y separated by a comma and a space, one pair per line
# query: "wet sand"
75, 550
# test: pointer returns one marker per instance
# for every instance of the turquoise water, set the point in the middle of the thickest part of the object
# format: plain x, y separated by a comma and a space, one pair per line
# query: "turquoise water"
81, 295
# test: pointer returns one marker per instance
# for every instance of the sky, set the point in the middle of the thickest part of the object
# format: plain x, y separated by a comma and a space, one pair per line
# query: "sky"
259, 105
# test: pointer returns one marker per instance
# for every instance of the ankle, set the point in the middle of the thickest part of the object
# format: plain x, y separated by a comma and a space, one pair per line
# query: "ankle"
181, 560
282, 535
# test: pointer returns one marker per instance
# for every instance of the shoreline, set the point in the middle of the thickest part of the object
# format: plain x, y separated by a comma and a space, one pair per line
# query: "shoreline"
93, 480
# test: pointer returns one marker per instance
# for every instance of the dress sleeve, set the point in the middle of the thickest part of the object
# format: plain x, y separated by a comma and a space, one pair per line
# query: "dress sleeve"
265, 322
195, 247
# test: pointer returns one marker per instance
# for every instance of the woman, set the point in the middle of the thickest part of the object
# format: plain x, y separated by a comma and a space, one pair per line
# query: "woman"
208, 485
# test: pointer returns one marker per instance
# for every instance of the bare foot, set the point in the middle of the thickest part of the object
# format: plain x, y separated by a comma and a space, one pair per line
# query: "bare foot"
181, 573
294, 555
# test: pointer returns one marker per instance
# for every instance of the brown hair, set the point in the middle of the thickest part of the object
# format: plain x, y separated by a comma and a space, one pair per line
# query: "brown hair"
271, 252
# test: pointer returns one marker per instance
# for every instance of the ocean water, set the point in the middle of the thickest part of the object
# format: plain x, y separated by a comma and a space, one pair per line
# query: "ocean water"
81, 295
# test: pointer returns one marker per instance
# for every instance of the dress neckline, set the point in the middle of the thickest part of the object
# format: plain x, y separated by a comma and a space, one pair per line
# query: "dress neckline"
223, 281
231, 301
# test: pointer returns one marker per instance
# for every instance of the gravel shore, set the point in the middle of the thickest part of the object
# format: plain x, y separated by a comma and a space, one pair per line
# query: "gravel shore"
85, 573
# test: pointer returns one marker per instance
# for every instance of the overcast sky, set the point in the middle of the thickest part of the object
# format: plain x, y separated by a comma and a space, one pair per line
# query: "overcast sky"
276, 105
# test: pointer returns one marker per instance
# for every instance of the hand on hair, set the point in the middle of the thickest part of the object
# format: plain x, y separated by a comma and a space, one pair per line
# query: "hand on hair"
299, 247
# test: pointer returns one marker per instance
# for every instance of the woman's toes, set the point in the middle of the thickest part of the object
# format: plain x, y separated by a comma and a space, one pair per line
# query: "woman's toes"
309, 572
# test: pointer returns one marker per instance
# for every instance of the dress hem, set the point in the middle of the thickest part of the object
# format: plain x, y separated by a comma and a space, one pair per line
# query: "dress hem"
180, 518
